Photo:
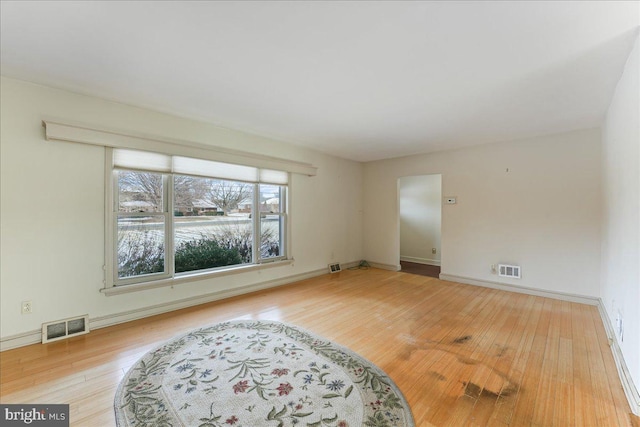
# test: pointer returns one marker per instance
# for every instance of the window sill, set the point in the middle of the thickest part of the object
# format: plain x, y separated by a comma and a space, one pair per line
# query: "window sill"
123, 289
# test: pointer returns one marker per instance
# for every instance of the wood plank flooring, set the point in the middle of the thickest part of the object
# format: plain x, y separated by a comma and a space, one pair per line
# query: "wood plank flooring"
462, 355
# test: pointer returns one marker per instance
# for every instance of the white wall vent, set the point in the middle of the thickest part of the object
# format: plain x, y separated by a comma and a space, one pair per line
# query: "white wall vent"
335, 268
61, 329
512, 271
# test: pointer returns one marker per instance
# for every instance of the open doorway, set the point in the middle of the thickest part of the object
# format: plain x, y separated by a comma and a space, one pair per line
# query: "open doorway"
420, 205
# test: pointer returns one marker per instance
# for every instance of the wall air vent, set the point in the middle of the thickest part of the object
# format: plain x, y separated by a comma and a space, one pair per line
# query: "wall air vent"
512, 271
61, 329
335, 268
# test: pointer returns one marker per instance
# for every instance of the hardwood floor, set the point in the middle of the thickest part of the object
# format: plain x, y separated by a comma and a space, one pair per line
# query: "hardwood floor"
462, 355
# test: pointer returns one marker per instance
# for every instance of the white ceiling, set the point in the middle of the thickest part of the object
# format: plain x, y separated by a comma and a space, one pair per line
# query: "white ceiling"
361, 80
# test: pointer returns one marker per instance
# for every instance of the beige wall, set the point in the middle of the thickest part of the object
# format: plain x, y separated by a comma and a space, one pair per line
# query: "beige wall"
621, 212
52, 208
542, 214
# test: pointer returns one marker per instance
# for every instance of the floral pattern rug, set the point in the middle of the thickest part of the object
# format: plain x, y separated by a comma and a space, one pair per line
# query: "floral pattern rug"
254, 374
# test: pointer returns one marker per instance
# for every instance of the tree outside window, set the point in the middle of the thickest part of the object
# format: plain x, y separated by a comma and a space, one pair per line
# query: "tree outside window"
211, 222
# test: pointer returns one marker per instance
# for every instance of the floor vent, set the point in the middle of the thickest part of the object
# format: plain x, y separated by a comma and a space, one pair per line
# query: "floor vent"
61, 329
512, 271
335, 268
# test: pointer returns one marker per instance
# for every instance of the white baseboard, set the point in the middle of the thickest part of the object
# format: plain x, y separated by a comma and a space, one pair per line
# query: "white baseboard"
20, 340
352, 264
582, 299
630, 389
382, 266
426, 261
35, 337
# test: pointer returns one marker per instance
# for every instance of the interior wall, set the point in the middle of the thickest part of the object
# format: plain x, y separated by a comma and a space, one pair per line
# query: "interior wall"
52, 208
621, 212
535, 203
420, 218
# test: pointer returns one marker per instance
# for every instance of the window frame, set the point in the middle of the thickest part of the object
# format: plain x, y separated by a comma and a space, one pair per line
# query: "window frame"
167, 194
114, 284
282, 221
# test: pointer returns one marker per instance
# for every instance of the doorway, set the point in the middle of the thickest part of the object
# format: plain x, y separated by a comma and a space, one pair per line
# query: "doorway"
420, 213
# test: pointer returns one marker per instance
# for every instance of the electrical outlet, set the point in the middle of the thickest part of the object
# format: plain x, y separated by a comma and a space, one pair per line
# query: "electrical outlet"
620, 326
494, 269
27, 307
434, 251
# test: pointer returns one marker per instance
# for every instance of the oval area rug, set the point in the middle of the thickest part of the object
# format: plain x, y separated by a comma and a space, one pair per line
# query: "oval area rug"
254, 374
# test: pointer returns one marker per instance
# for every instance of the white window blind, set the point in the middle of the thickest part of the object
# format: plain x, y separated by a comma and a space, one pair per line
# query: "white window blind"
211, 169
269, 176
141, 160
144, 160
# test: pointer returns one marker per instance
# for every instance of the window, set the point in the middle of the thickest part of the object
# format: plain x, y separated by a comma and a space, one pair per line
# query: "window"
142, 223
175, 216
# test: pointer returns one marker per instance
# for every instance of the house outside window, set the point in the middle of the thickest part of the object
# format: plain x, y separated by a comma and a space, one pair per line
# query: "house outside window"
175, 216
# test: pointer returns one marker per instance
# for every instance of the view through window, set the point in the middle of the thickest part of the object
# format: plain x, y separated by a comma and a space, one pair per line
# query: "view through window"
171, 224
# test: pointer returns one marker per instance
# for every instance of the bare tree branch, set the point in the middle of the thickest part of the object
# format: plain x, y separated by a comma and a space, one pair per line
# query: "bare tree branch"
142, 187
227, 195
147, 187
